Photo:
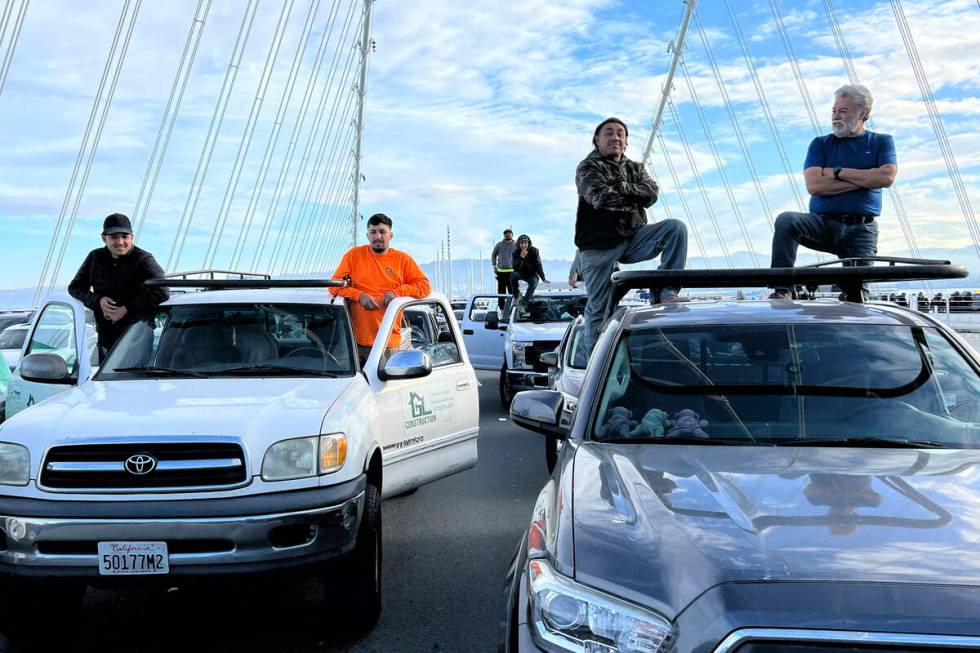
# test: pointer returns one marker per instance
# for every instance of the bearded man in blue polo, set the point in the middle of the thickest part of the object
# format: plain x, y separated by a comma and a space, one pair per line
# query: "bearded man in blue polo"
844, 174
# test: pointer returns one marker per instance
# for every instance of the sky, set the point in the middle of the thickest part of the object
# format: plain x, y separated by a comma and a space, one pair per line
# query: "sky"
476, 114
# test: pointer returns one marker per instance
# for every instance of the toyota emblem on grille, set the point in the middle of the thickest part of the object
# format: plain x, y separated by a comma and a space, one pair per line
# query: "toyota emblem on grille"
140, 464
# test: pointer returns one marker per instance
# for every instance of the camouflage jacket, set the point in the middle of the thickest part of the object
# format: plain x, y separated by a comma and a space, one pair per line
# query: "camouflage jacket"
612, 198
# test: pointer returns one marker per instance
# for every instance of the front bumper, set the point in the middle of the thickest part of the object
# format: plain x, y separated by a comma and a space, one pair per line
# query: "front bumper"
528, 380
270, 532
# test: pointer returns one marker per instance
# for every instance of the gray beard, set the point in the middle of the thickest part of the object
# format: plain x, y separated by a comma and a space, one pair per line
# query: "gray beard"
847, 129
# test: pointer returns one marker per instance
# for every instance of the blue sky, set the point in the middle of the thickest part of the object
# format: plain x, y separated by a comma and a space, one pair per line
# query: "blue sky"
477, 115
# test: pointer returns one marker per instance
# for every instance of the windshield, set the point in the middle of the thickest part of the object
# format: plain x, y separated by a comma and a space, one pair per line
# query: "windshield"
12, 338
235, 340
777, 384
551, 309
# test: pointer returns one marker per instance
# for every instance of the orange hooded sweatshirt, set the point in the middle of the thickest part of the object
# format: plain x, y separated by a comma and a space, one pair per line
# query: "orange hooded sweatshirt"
376, 274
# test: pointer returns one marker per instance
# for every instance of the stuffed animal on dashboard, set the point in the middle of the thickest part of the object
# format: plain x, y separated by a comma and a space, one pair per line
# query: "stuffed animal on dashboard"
687, 423
653, 424
618, 423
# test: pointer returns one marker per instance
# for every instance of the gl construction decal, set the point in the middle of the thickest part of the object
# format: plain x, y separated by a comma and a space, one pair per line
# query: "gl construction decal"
422, 409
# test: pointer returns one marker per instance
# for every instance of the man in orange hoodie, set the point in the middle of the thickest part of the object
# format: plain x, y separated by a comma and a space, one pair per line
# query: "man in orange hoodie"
378, 274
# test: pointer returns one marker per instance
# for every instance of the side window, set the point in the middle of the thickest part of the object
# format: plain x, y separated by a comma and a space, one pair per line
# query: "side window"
578, 357
483, 305
435, 333
958, 384
55, 334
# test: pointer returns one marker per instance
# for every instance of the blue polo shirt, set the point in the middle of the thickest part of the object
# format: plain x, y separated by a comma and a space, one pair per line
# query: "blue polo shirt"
869, 150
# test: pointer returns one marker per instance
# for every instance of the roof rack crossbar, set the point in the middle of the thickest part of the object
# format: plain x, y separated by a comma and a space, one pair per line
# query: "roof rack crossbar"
222, 284
850, 278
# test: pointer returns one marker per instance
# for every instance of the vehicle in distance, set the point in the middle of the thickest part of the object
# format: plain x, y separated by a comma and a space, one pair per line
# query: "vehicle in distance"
759, 477
230, 432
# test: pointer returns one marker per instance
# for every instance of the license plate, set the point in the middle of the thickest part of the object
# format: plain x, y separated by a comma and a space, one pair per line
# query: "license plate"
133, 558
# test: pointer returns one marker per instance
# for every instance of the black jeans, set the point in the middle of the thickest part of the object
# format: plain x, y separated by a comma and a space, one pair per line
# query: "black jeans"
504, 282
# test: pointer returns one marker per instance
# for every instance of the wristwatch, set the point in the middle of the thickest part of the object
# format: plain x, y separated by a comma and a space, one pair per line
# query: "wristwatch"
837, 172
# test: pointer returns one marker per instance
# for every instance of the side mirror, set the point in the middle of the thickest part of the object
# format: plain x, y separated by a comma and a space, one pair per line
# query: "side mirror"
410, 364
549, 358
540, 411
45, 368
492, 320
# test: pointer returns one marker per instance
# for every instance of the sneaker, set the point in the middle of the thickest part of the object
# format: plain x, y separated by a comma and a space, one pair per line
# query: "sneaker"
780, 294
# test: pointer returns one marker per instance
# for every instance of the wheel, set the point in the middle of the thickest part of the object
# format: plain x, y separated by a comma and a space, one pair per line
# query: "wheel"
551, 452
353, 586
506, 392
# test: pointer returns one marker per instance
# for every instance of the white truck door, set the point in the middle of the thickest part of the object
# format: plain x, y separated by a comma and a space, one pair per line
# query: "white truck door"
59, 329
430, 424
484, 346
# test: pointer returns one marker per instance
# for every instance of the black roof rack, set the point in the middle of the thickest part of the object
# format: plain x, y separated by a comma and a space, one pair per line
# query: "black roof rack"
224, 284
850, 277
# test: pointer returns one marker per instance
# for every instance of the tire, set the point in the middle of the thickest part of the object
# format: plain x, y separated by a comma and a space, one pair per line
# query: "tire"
506, 392
551, 452
353, 589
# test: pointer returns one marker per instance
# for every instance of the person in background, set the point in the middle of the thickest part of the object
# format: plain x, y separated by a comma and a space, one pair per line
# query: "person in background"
502, 261
110, 282
527, 268
378, 274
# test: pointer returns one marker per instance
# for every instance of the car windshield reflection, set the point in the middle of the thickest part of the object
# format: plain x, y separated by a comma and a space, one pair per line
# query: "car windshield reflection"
235, 340
838, 384
543, 309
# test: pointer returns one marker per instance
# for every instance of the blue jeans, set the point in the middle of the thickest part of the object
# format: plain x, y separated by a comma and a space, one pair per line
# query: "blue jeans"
822, 233
596, 265
531, 281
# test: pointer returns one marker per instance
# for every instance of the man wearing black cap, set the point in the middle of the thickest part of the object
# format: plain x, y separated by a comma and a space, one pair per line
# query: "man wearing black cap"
110, 282
611, 222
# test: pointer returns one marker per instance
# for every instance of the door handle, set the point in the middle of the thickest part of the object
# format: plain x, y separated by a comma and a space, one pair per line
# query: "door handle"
467, 332
462, 385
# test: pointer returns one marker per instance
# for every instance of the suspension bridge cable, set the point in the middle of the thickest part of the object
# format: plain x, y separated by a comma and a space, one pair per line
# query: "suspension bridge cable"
719, 164
333, 134
692, 227
14, 37
162, 142
893, 193
297, 130
93, 114
217, 118
937, 123
311, 141
697, 177
331, 212
273, 139
245, 143
794, 62
767, 112
97, 118
736, 126
334, 91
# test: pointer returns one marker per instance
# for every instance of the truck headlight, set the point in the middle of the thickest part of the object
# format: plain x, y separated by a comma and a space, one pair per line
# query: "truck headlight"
15, 464
573, 617
517, 348
304, 457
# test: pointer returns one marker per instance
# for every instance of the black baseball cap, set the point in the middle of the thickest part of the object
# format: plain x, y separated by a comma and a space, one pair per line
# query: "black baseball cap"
117, 223
610, 119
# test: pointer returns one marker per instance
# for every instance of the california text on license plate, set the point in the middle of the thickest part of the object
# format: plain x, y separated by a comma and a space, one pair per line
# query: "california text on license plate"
133, 558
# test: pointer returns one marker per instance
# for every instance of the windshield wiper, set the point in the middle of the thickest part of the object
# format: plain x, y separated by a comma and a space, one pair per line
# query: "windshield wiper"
864, 441
169, 371
258, 370
684, 439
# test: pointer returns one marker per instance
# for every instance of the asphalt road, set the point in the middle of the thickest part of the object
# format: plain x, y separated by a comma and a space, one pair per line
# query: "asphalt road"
446, 550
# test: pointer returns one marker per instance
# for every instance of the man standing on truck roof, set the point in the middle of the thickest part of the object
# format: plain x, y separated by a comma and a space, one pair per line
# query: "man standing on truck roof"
502, 260
844, 174
611, 222
110, 282
378, 273
527, 268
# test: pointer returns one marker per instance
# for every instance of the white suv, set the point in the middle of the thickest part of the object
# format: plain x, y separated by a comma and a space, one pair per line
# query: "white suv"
230, 432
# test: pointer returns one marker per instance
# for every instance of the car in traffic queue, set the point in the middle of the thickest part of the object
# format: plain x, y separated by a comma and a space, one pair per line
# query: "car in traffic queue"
566, 371
11, 342
758, 477
230, 432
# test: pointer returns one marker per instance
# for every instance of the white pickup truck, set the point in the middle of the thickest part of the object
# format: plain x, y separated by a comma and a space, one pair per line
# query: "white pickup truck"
232, 431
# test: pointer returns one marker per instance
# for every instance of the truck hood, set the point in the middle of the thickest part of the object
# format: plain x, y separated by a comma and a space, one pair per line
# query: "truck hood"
661, 524
261, 411
531, 331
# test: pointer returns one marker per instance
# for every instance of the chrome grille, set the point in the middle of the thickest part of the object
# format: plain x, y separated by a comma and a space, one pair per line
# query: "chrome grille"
169, 465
